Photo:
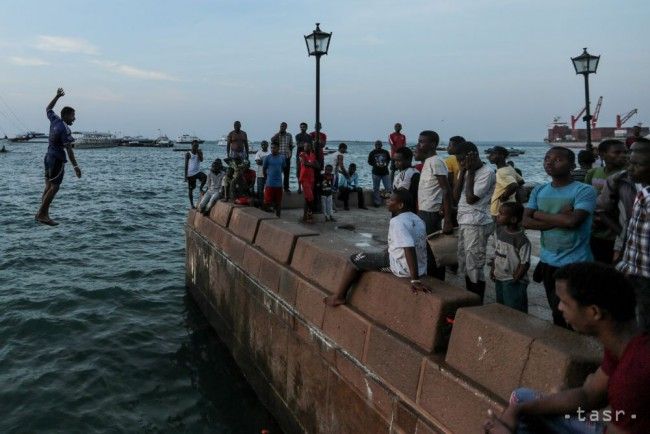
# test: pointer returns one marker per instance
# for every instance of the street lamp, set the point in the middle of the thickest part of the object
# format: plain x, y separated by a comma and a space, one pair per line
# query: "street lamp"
586, 64
318, 42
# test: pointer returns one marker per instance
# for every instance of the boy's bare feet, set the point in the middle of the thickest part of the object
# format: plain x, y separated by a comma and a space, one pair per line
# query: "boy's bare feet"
333, 301
494, 425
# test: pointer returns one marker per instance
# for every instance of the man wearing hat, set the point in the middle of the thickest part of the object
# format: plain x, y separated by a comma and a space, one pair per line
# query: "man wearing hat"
507, 179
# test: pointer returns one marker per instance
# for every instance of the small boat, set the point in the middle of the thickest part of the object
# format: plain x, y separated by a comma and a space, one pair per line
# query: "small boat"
222, 141
94, 140
512, 152
187, 139
163, 142
30, 136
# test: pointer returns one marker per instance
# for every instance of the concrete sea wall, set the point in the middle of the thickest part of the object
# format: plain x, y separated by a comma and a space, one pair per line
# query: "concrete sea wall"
389, 361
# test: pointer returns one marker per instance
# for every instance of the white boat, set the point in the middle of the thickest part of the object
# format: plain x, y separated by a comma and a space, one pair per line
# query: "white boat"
94, 140
222, 141
30, 136
187, 139
163, 142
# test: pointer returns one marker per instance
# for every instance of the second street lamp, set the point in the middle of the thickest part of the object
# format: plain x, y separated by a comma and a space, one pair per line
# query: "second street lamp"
318, 42
586, 64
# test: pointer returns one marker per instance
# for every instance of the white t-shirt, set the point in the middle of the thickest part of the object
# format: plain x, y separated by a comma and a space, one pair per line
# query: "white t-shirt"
403, 178
429, 191
193, 165
259, 155
479, 212
331, 159
407, 230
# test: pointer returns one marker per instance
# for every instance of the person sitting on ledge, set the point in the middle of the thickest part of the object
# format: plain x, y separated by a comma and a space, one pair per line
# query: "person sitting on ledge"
596, 300
406, 255
215, 190
348, 184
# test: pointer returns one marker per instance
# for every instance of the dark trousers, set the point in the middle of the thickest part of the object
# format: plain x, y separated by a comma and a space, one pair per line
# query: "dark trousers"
642, 289
298, 168
603, 250
433, 223
548, 279
287, 172
344, 195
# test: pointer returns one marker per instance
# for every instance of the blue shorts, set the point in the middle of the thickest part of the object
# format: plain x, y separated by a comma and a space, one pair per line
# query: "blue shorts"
54, 169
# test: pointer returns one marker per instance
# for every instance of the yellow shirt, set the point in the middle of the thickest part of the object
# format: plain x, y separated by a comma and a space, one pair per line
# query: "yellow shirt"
452, 166
505, 176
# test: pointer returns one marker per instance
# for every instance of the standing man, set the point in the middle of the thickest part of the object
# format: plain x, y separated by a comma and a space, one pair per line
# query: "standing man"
302, 138
636, 253
396, 140
434, 194
272, 169
636, 135
319, 143
379, 159
237, 143
451, 161
285, 141
507, 180
193, 172
60, 143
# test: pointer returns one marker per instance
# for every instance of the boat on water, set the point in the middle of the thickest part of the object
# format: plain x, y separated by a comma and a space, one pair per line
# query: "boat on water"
187, 139
512, 152
30, 136
94, 140
163, 142
560, 133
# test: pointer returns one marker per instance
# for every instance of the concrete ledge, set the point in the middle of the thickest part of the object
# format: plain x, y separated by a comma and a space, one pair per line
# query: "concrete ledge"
191, 214
420, 318
278, 238
214, 233
322, 260
244, 222
220, 213
455, 404
493, 345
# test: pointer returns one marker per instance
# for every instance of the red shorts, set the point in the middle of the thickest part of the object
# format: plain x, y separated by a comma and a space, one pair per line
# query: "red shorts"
272, 195
308, 189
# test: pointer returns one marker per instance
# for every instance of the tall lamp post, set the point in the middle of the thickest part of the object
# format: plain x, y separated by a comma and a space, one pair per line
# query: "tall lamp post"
586, 64
318, 42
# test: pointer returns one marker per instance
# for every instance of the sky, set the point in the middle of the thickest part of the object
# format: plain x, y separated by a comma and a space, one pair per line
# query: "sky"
483, 69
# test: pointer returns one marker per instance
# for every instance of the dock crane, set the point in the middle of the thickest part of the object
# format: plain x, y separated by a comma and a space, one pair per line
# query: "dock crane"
594, 117
621, 120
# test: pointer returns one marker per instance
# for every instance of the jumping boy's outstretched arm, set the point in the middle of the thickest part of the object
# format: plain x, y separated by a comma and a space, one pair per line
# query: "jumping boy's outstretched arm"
59, 94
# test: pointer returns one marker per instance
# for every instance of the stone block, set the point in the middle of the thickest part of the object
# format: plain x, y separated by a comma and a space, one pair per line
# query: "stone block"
397, 362
251, 261
491, 345
347, 328
454, 404
211, 231
348, 412
288, 285
245, 220
220, 213
191, 215
234, 248
561, 359
323, 260
309, 303
418, 317
278, 238
269, 274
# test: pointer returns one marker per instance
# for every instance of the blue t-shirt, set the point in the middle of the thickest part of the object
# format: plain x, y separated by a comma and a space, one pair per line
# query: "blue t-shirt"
60, 136
274, 164
562, 246
350, 182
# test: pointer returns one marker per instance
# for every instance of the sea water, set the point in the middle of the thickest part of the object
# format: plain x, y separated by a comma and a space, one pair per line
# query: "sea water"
97, 331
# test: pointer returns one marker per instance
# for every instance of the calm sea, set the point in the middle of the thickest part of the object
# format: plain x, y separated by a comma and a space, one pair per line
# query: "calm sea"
97, 332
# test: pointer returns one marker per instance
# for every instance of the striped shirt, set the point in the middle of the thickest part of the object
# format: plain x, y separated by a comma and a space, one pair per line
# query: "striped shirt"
636, 256
286, 143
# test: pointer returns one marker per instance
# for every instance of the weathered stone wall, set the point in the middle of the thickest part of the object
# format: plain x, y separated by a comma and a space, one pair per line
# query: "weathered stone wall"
389, 360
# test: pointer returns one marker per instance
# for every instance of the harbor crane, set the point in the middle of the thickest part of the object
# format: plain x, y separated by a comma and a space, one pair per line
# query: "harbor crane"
621, 120
594, 118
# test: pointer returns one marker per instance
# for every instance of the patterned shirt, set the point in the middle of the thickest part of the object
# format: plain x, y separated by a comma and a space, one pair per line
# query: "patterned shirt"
636, 256
286, 143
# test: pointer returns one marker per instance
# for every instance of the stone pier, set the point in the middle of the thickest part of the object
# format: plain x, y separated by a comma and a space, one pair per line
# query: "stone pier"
390, 361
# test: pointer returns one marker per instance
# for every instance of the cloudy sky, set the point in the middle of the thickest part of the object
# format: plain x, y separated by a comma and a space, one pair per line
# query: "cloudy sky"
485, 69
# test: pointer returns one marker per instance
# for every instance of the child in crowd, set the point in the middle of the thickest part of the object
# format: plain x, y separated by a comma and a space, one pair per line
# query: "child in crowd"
348, 184
596, 301
613, 153
406, 255
507, 180
259, 160
327, 180
562, 210
586, 160
406, 176
307, 178
273, 167
509, 267
214, 191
